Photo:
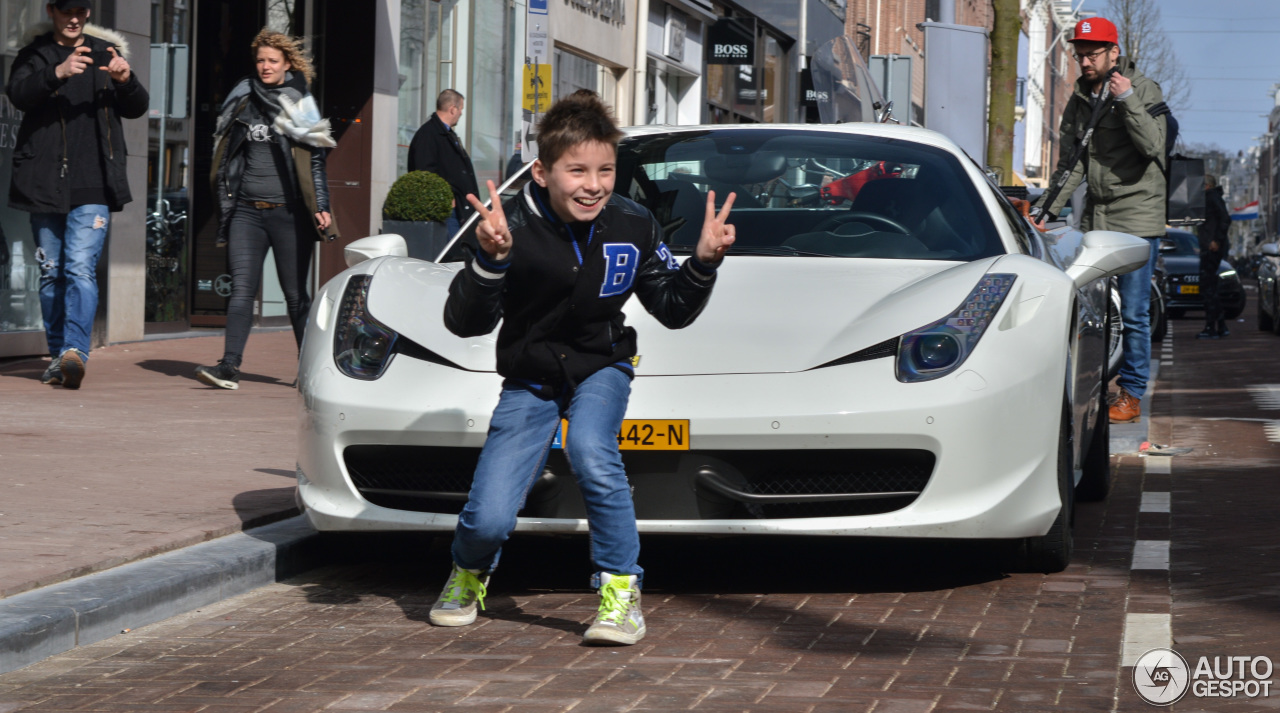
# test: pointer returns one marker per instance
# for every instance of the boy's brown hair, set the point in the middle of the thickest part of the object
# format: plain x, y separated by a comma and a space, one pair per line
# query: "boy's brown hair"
579, 118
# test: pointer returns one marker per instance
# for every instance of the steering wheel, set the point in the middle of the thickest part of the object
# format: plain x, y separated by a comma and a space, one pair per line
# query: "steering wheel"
830, 224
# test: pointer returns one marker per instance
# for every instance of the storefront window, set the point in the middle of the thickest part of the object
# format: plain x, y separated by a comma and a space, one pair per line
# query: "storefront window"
572, 73
426, 66
489, 121
19, 271
168, 202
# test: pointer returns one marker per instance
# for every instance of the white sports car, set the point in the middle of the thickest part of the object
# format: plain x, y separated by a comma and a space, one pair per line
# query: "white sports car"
891, 349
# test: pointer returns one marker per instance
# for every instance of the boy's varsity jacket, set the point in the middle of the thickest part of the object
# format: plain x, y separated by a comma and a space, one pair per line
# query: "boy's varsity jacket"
561, 302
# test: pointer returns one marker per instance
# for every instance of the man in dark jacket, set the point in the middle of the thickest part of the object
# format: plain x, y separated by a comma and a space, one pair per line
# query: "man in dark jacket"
73, 84
1213, 245
436, 148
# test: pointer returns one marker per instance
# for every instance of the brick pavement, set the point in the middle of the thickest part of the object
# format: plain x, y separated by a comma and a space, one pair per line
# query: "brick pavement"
142, 458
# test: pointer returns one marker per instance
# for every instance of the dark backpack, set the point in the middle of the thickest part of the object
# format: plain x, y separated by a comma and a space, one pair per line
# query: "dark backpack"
1184, 177
1170, 131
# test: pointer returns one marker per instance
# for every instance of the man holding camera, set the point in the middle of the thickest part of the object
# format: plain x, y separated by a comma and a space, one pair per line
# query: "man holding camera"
73, 83
1124, 168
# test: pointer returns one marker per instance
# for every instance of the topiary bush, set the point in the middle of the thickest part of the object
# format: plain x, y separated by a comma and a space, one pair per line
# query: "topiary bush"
418, 195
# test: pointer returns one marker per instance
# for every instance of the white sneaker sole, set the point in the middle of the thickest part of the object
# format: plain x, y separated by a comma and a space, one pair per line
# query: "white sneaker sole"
207, 378
452, 617
604, 635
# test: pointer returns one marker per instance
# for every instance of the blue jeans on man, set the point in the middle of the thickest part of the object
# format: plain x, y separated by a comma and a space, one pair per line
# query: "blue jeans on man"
68, 248
521, 433
1135, 313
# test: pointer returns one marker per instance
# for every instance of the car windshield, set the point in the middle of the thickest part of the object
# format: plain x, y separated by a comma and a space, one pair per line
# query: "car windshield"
805, 194
1181, 243
809, 193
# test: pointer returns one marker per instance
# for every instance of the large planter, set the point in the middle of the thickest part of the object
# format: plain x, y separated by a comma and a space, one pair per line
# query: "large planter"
424, 239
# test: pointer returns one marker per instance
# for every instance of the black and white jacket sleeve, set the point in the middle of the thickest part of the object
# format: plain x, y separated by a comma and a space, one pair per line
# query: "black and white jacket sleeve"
474, 306
673, 293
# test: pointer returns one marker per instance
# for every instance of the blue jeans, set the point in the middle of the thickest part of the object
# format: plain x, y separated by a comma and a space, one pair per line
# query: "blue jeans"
1135, 313
453, 222
521, 432
68, 248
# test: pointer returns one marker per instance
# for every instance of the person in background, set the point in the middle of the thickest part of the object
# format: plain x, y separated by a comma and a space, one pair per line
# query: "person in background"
272, 189
74, 84
1213, 245
1126, 185
436, 148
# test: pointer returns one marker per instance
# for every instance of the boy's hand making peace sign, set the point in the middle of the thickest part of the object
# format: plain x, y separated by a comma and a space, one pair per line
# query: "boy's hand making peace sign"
491, 230
717, 235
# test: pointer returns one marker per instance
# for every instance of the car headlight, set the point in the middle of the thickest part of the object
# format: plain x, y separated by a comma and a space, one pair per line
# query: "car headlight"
362, 346
940, 348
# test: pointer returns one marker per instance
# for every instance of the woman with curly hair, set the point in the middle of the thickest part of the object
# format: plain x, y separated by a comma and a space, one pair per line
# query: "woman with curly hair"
272, 190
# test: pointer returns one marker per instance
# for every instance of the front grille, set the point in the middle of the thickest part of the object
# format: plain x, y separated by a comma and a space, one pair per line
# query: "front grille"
665, 485
865, 473
415, 478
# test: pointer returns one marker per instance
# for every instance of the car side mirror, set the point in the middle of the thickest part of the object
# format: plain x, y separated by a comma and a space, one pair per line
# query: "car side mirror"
1105, 253
387, 244
1167, 245
1270, 249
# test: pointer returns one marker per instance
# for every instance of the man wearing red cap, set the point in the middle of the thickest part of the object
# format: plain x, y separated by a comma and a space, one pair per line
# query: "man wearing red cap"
1124, 168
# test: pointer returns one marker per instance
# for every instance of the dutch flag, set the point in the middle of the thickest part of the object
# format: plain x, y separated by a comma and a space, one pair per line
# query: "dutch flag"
1248, 211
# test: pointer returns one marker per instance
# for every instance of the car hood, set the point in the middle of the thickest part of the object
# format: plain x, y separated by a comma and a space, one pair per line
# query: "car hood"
766, 315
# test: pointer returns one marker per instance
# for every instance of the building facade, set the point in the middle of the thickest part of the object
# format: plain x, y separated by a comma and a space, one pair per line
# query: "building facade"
380, 66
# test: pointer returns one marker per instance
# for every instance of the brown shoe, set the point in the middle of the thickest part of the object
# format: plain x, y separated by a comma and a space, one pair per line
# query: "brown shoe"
1126, 409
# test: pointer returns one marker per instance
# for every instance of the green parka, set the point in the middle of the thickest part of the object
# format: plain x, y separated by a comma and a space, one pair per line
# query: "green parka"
1124, 165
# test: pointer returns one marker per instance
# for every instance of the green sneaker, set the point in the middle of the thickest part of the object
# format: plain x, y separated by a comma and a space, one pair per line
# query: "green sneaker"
619, 620
458, 602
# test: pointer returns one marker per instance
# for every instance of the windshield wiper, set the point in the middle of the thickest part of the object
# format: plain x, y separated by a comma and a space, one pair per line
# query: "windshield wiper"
757, 250
775, 250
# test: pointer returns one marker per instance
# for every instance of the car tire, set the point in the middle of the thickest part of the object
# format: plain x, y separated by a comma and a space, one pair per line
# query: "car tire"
1114, 341
1275, 309
1232, 314
1051, 552
1095, 478
1159, 322
1265, 321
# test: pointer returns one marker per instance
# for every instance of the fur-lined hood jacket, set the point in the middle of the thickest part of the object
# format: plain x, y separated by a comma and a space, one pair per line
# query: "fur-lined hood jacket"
39, 183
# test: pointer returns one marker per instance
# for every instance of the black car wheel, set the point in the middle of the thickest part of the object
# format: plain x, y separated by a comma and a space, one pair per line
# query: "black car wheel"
1265, 322
1051, 552
1159, 321
1095, 477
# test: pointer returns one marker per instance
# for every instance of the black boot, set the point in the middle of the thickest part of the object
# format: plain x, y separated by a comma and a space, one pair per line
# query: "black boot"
1209, 332
1222, 329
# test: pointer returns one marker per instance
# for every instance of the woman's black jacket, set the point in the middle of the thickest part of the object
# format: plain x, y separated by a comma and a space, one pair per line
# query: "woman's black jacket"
229, 164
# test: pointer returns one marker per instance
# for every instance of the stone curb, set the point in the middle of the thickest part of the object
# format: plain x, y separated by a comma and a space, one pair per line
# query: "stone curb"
41, 623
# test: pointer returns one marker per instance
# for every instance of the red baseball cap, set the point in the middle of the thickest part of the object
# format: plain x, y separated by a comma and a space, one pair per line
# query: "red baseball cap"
1096, 29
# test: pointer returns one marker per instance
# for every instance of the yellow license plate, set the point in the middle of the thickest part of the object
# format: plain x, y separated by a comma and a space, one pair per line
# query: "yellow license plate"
1189, 289
645, 435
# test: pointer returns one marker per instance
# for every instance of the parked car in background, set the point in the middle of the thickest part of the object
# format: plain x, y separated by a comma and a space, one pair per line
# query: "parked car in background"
1269, 288
1180, 251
